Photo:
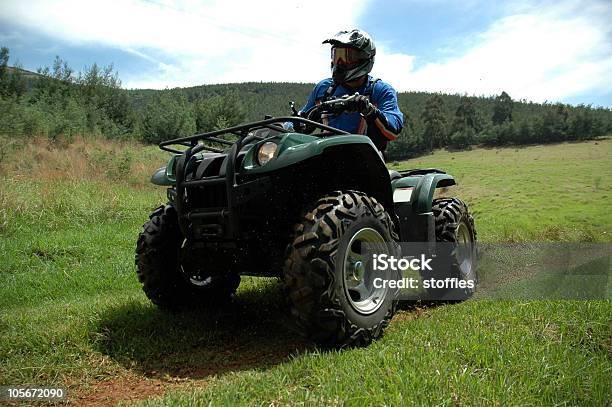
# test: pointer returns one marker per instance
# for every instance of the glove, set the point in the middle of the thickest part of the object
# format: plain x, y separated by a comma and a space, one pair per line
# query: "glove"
363, 105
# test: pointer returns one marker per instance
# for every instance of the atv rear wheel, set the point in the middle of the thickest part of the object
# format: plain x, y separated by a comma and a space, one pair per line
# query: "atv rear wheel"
330, 290
455, 225
158, 264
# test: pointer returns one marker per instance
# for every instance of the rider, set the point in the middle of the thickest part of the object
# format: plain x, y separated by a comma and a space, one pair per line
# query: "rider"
374, 112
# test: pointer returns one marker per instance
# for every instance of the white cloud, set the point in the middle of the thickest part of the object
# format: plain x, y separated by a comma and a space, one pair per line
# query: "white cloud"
392, 67
549, 52
194, 42
540, 50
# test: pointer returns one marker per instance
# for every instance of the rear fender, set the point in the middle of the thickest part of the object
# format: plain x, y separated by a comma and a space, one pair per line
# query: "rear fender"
425, 189
413, 197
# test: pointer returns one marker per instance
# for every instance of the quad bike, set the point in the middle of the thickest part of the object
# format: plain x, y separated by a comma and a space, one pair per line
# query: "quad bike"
262, 200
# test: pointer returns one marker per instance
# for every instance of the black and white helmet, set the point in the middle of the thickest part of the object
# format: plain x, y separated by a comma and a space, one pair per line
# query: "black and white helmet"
352, 55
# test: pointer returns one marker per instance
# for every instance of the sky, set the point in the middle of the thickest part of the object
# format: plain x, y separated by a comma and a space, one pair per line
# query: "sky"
555, 51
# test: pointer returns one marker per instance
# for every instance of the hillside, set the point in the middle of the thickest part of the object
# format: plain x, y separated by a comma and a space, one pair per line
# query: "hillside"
60, 103
23, 72
261, 98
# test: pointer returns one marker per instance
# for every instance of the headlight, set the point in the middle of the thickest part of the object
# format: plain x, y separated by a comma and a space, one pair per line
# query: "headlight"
266, 152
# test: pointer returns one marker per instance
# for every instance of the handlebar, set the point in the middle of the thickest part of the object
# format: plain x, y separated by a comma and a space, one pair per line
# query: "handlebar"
338, 105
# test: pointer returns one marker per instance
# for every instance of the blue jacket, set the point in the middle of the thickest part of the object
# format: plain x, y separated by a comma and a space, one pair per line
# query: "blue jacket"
381, 127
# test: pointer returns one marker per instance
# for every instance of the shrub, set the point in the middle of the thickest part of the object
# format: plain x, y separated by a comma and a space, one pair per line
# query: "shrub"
462, 139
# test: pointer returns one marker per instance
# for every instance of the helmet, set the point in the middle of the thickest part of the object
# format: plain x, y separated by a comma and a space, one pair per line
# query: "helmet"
352, 55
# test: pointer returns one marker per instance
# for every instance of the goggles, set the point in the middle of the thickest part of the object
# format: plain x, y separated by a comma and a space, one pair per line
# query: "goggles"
346, 56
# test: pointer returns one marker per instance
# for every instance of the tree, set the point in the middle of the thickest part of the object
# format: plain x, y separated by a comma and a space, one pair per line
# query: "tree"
11, 79
582, 124
525, 133
100, 89
168, 117
55, 85
487, 136
462, 139
465, 116
502, 109
17, 84
466, 125
4, 77
435, 123
554, 124
506, 133
212, 113
410, 141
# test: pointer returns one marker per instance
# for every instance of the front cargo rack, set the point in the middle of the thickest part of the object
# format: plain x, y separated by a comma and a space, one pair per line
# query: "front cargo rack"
225, 219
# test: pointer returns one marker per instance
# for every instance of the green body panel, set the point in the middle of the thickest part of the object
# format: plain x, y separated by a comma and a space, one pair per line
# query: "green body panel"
295, 147
292, 148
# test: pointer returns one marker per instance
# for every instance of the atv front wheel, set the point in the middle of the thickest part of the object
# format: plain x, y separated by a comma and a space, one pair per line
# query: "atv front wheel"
455, 225
158, 266
330, 288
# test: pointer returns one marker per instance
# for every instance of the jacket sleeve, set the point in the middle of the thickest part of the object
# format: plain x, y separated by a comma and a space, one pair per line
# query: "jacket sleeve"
311, 100
387, 120
317, 93
314, 95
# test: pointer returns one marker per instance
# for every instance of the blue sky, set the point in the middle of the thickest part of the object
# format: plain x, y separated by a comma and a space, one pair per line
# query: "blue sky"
428, 29
535, 50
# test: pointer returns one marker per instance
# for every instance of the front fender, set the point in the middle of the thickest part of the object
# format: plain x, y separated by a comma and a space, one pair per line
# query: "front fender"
165, 176
295, 147
159, 177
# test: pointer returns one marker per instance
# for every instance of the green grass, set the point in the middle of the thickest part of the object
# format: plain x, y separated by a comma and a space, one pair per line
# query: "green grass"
479, 352
72, 312
560, 192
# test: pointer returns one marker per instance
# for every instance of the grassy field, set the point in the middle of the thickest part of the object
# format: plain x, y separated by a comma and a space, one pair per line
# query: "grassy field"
73, 314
